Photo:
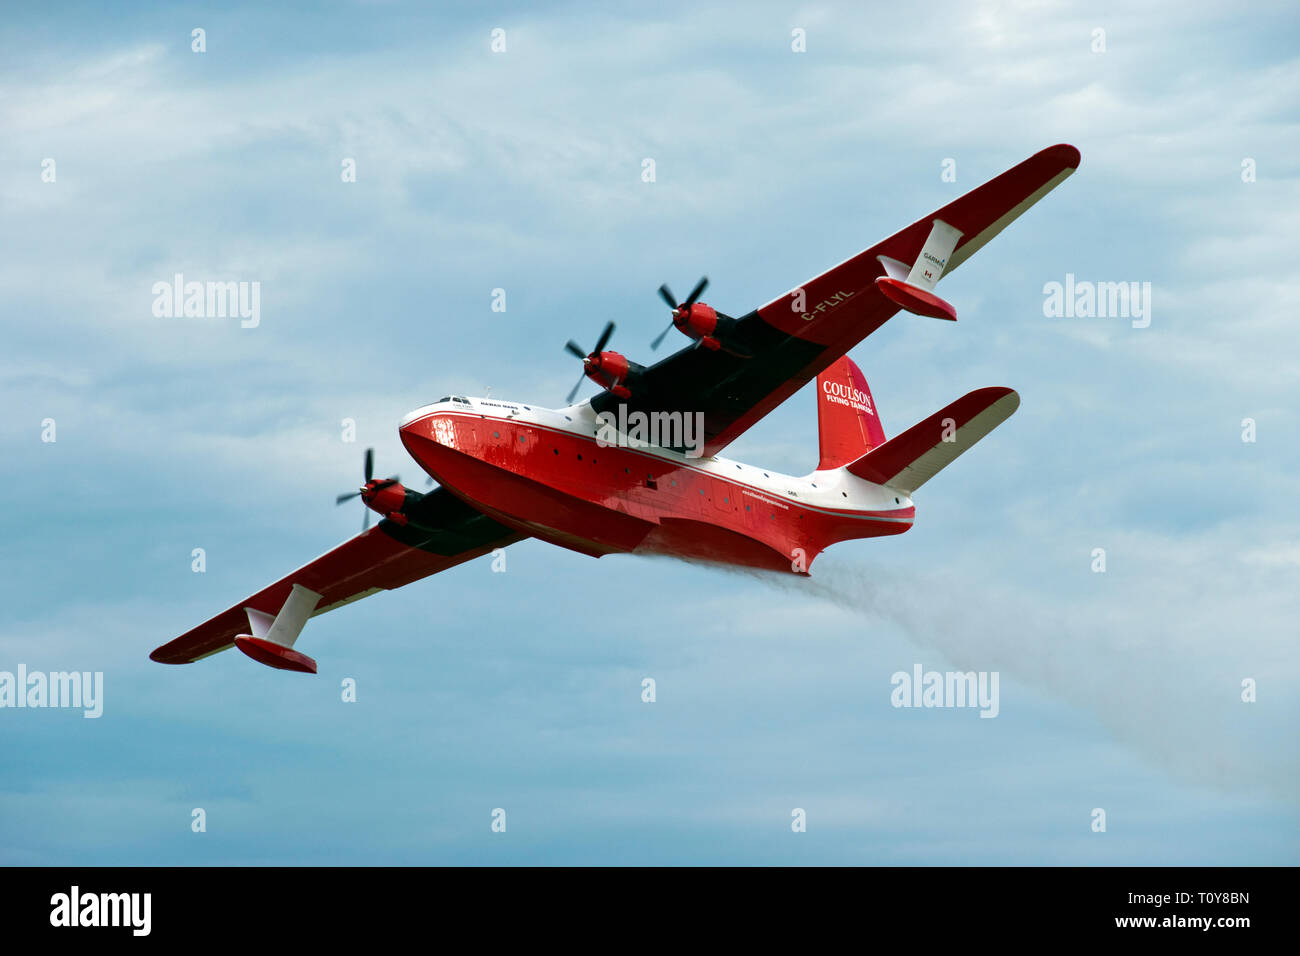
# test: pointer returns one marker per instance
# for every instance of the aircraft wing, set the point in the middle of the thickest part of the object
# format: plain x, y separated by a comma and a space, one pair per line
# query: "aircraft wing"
787, 342
442, 532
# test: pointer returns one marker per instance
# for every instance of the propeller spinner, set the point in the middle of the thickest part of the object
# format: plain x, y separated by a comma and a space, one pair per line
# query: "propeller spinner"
606, 369
681, 310
371, 488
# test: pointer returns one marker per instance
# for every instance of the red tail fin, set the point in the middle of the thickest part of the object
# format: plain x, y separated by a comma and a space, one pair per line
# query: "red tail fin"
847, 424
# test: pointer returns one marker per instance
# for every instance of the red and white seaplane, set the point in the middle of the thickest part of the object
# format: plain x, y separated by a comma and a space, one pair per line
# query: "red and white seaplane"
638, 467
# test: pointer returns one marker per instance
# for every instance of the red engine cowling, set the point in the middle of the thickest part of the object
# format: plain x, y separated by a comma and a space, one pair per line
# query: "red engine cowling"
385, 497
609, 370
698, 321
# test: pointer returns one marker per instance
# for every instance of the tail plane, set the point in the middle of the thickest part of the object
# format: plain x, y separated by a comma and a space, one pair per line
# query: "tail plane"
851, 436
909, 460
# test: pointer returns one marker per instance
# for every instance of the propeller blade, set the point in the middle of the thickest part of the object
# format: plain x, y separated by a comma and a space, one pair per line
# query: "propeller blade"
604, 339
574, 349
660, 339
697, 291
369, 469
574, 394
666, 294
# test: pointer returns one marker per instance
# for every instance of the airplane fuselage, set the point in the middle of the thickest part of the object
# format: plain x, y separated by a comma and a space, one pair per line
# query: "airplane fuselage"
555, 474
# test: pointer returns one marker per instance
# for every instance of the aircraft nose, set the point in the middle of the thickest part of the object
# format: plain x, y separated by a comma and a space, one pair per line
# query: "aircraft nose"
423, 442
431, 433
417, 431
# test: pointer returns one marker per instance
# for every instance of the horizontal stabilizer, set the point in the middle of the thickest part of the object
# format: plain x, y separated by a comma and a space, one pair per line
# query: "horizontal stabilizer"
909, 460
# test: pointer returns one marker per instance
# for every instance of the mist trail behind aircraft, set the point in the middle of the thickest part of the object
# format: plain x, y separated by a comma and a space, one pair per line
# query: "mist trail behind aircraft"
1172, 698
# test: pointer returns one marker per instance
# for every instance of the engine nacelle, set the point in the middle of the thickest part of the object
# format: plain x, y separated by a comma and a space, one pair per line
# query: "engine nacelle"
613, 372
709, 327
397, 504
384, 496
698, 321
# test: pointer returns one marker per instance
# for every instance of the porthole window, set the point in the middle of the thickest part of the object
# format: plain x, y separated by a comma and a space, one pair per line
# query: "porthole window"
556, 450
496, 434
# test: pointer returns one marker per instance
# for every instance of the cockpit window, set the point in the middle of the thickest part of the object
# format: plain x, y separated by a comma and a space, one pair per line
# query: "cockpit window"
457, 398
445, 398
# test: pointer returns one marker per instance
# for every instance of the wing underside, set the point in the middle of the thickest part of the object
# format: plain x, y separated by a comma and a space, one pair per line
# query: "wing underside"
442, 532
783, 345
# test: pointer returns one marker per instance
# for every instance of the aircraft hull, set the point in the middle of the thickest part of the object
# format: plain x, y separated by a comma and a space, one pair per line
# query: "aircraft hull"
569, 490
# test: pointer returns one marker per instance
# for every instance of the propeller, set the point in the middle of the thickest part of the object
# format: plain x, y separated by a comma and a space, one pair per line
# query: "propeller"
370, 487
666, 294
574, 349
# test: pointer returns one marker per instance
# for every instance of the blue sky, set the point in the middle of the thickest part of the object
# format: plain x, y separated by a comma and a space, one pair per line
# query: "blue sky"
521, 170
